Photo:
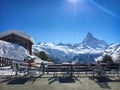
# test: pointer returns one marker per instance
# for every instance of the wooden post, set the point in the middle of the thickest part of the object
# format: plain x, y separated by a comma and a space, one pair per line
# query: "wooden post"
0, 62
7, 61
43, 68
3, 59
10, 62
16, 73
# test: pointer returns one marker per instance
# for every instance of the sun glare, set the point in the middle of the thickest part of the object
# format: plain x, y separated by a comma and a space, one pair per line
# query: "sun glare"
73, 1
75, 5
76, 1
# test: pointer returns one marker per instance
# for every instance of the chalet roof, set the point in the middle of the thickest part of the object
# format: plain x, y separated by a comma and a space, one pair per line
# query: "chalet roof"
17, 32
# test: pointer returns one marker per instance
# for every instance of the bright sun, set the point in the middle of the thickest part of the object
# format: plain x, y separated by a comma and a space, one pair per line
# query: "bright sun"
73, 0
76, 1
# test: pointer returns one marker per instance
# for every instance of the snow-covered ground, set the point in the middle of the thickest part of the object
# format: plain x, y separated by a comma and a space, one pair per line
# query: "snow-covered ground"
9, 72
6, 71
12, 51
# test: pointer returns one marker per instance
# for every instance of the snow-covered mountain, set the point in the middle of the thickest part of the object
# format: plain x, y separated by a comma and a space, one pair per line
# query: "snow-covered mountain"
86, 51
55, 51
12, 51
93, 42
114, 51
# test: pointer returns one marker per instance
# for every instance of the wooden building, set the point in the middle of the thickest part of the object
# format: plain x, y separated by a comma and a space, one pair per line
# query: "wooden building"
18, 37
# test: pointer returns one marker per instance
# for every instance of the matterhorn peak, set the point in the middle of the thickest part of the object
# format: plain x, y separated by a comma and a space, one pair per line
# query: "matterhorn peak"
93, 42
89, 38
89, 35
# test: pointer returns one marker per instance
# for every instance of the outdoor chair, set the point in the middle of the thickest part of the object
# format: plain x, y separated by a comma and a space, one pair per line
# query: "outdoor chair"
80, 69
114, 69
90, 69
99, 70
66, 70
53, 68
13, 69
76, 69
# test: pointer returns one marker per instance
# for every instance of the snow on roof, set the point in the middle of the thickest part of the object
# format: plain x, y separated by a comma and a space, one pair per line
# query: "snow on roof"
17, 32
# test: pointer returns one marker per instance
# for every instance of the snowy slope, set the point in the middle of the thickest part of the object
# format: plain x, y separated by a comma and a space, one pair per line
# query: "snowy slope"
55, 51
114, 51
13, 51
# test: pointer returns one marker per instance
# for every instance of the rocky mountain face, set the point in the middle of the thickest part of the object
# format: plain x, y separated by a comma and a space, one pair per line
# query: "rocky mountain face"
89, 50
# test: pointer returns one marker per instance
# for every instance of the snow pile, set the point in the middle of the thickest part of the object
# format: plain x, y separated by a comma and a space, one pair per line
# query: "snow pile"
12, 51
17, 32
6, 71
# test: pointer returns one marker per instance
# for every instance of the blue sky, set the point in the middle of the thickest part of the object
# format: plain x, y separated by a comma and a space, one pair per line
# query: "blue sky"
66, 21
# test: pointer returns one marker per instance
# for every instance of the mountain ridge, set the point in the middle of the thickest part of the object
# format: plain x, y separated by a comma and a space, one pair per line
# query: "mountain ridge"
89, 48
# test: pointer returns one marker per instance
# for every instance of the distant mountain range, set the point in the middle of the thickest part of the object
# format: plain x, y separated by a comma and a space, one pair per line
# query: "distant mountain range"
89, 50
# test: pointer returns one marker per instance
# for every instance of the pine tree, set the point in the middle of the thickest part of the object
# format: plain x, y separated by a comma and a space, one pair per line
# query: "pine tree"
43, 56
107, 58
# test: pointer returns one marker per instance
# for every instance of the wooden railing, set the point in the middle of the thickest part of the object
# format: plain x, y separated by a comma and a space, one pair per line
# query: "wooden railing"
74, 68
7, 61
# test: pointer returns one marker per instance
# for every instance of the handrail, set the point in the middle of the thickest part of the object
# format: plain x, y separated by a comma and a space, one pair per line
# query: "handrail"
8, 61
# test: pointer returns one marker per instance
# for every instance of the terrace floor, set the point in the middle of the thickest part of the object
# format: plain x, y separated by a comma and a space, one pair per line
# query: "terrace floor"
48, 82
